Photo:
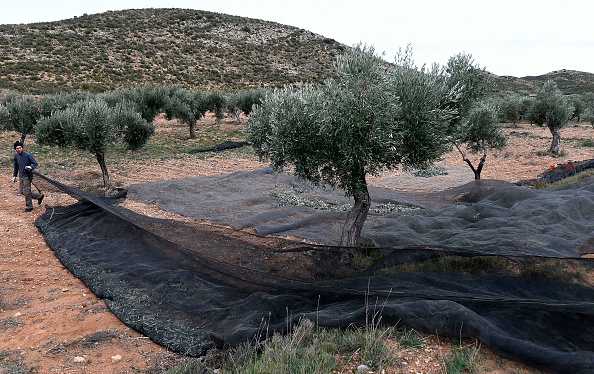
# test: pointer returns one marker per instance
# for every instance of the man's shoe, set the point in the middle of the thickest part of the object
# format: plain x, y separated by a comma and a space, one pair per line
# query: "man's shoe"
27, 210
40, 199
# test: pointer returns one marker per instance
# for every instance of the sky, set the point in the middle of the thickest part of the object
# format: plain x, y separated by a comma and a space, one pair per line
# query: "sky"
506, 37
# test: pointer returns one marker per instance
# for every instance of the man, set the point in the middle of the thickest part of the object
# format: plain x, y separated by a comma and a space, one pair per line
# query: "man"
24, 164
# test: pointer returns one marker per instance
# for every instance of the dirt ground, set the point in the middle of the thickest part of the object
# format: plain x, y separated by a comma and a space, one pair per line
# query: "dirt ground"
51, 323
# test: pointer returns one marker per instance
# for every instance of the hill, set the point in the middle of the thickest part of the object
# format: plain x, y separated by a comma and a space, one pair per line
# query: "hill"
192, 48
568, 81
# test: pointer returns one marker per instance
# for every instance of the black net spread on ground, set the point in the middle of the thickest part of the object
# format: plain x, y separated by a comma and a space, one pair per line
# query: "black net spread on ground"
489, 259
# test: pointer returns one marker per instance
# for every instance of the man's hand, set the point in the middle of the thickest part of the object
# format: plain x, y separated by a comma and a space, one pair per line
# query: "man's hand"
14, 179
28, 167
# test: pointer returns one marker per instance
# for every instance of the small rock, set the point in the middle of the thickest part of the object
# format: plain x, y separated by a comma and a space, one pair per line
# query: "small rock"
116, 358
78, 359
363, 368
17, 314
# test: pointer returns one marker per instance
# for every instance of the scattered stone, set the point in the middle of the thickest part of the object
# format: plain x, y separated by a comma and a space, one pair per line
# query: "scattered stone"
363, 368
78, 359
116, 358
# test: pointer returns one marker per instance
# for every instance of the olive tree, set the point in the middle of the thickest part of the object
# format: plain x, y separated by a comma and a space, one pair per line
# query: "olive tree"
20, 114
510, 108
579, 106
475, 126
480, 130
588, 115
187, 106
91, 125
243, 101
551, 109
370, 117
216, 102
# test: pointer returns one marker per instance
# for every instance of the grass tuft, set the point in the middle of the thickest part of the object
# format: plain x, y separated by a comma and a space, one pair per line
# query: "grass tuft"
462, 360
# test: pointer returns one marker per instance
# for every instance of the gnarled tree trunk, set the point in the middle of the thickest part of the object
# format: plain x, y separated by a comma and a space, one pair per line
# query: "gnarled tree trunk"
351, 231
556, 143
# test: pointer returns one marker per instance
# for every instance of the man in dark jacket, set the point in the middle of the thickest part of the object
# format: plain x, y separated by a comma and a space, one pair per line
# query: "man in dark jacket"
24, 164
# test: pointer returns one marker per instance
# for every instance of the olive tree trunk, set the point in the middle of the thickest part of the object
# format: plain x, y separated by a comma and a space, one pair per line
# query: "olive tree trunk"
193, 129
477, 171
101, 160
556, 142
479, 168
351, 231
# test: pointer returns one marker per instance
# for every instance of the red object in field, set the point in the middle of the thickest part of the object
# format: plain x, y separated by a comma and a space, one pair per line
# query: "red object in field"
569, 165
553, 166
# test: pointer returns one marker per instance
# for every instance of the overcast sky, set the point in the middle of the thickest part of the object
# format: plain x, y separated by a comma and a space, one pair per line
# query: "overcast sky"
507, 37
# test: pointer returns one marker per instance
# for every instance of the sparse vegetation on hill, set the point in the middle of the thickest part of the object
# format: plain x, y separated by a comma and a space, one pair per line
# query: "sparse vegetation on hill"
194, 49
568, 81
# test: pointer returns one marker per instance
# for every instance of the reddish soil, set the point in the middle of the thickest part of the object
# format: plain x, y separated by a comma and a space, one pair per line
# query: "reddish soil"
51, 323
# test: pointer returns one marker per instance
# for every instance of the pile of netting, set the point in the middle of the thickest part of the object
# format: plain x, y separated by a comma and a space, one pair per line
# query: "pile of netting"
558, 172
502, 263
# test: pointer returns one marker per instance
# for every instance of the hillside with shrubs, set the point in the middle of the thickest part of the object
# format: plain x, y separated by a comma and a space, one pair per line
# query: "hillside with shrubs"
191, 48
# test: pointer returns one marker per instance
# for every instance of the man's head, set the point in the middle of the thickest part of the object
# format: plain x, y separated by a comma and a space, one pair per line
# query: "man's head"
18, 146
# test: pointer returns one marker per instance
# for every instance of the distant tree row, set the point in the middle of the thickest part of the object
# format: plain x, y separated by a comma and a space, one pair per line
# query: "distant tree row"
94, 122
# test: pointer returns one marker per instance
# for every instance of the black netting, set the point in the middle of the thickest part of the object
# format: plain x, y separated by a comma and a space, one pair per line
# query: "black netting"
220, 147
489, 260
562, 171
